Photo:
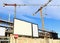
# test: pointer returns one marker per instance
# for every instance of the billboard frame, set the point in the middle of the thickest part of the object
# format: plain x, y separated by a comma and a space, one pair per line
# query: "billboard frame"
31, 28
37, 29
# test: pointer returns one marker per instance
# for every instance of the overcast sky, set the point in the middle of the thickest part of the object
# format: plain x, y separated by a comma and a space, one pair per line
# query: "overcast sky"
52, 19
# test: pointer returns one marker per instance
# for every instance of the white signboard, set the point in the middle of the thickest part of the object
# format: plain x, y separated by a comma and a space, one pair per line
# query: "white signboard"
2, 31
35, 30
22, 28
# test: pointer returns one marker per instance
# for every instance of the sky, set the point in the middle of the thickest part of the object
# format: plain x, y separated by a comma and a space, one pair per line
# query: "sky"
51, 20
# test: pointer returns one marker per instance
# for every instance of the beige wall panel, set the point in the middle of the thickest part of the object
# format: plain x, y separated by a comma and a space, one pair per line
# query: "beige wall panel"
32, 40
56, 41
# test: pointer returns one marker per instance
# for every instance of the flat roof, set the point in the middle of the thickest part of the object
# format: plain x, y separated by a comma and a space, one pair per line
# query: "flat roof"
7, 22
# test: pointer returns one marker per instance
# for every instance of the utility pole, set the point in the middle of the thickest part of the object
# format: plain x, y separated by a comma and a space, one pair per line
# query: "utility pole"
40, 9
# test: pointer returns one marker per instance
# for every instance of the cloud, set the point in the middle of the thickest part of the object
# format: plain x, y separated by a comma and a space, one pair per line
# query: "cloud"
53, 12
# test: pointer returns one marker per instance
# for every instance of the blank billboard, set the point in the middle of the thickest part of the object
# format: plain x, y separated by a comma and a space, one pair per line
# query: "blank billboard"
22, 28
35, 30
2, 31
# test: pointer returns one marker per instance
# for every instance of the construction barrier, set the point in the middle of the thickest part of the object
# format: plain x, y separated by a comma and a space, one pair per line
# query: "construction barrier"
32, 40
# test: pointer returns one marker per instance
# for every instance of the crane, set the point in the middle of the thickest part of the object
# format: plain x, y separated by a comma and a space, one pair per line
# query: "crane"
11, 5
40, 9
5, 4
42, 20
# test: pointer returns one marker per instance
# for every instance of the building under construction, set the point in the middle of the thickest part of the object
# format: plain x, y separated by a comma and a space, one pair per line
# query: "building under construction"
35, 34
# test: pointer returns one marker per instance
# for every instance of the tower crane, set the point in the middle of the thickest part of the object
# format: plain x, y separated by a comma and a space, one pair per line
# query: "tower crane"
42, 19
11, 5
5, 4
40, 9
